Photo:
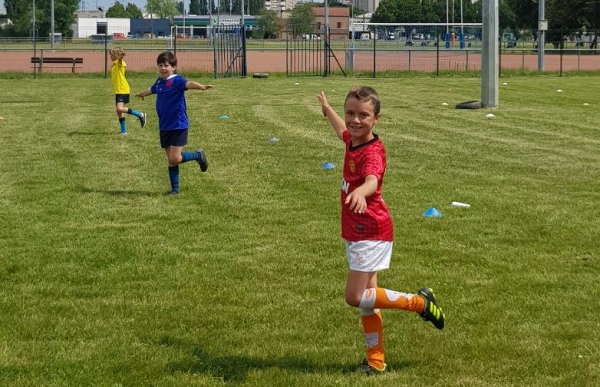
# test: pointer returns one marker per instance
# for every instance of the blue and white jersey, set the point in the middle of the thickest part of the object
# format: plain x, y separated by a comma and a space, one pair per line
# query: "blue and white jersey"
170, 102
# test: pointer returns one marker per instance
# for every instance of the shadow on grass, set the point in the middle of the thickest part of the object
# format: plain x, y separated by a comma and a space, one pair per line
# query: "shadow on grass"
120, 192
78, 133
235, 369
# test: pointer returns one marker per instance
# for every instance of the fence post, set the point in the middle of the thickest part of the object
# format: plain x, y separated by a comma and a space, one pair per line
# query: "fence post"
562, 43
374, 56
244, 66
437, 57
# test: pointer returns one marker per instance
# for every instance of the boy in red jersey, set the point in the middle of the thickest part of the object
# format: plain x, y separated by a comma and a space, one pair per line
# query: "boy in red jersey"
367, 227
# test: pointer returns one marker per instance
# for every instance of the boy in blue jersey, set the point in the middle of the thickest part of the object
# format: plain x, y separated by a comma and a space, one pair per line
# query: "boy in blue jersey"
172, 116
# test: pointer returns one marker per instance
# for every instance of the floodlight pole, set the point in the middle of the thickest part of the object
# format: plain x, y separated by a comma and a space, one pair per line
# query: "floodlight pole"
326, 50
51, 23
243, 21
461, 16
33, 36
490, 56
542, 26
447, 17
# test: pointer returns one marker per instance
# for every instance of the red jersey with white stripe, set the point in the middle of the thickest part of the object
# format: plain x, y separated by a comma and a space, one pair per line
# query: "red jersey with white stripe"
359, 162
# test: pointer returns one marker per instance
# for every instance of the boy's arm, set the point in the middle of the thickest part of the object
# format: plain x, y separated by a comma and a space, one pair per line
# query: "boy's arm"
357, 199
195, 85
144, 93
336, 121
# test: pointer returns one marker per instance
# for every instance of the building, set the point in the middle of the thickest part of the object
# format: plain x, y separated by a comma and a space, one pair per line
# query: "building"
85, 27
369, 6
280, 6
339, 21
197, 25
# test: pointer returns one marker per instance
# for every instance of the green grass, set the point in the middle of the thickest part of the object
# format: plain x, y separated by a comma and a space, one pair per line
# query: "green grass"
240, 279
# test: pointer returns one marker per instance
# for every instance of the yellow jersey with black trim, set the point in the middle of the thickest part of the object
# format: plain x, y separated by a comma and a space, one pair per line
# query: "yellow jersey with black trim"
117, 75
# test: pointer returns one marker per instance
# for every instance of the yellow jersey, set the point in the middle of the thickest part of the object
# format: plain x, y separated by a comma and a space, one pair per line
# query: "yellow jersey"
117, 74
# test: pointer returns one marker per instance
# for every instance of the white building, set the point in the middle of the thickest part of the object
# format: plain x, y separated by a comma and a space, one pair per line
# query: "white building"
280, 6
369, 6
87, 26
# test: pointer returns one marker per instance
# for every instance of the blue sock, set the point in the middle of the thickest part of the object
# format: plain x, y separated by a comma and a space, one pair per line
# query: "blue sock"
134, 112
187, 156
174, 178
123, 125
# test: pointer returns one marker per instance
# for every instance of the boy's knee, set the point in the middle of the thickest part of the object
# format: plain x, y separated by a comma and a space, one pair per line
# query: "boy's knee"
353, 300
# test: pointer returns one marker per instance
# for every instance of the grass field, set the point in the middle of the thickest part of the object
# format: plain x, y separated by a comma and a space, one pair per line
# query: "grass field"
240, 279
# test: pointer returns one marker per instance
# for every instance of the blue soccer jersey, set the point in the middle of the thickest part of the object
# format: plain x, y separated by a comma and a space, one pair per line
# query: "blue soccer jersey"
170, 102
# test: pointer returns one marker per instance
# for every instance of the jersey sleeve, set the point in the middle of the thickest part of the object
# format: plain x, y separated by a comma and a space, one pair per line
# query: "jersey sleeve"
153, 87
180, 82
346, 136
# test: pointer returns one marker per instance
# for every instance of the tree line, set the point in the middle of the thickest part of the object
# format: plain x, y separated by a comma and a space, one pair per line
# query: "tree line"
580, 15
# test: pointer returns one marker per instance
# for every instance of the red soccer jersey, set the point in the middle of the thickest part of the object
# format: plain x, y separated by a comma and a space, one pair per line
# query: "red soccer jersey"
375, 223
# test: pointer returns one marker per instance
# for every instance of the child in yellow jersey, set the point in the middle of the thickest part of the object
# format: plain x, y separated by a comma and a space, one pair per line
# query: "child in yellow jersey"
121, 89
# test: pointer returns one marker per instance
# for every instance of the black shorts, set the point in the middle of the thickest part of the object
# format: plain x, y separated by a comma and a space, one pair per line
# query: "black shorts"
121, 98
177, 137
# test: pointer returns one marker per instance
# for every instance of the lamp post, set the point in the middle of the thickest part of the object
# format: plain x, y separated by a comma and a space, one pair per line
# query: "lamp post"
33, 35
51, 23
447, 39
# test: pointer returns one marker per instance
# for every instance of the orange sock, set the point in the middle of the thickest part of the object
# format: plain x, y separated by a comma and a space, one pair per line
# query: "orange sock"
381, 298
373, 329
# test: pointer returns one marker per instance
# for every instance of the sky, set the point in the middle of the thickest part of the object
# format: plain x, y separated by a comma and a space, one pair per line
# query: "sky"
94, 4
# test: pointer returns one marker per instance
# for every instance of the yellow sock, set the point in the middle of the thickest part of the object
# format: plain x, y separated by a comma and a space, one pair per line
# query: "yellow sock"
373, 330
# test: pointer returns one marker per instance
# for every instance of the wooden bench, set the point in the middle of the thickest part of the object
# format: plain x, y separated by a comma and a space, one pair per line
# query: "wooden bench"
41, 61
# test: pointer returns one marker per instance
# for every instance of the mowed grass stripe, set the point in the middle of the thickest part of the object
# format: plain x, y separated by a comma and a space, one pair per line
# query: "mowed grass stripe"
240, 279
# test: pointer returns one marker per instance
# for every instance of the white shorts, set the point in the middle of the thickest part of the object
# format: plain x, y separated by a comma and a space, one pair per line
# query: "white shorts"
369, 256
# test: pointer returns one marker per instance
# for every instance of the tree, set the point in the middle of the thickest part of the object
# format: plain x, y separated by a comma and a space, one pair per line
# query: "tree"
134, 11
591, 9
117, 10
197, 9
131, 11
268, 23
526, 12
507, 17
302, 19
20, 13
386, 12
255, 6
162, 9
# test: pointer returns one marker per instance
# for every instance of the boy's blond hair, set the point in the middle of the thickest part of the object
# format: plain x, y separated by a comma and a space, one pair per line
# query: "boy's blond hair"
117, 52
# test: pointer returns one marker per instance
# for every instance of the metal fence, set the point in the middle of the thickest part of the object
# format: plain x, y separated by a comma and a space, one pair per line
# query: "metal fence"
364, 59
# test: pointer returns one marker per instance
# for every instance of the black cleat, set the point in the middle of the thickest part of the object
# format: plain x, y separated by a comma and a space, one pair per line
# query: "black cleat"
172, 193
202, 161
369, 370
432, 311
142, 119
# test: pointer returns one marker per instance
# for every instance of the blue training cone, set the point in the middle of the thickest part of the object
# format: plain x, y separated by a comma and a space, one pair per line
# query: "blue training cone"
432, 212
328, 165
224, 117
